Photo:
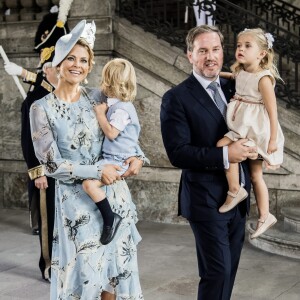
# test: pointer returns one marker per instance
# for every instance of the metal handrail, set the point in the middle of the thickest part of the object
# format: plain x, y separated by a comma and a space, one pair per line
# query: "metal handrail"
167, 19
278, 11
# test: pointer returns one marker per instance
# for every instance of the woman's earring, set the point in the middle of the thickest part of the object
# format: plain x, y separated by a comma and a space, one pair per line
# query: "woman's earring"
57, 73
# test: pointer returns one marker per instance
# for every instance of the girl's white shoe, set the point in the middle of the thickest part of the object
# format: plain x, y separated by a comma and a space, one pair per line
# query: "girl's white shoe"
266, 224
236, 199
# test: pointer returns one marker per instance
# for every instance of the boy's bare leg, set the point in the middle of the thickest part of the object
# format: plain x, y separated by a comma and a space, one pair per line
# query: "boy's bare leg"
92, 188
111, 220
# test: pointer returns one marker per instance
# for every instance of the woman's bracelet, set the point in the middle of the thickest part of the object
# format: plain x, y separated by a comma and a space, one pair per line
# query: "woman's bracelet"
99, 172
144, 159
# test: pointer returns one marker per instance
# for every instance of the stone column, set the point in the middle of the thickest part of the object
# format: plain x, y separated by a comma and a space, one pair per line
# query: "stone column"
2, 9
14, 9
27, 12
44, 6
86, 9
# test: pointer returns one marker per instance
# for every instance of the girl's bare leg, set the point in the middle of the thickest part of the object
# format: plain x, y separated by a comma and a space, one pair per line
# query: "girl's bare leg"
108, 296
260, 189
232, 174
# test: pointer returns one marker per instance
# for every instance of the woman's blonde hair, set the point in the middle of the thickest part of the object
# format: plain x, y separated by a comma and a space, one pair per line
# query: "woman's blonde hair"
264, 43
119, 80
83, 42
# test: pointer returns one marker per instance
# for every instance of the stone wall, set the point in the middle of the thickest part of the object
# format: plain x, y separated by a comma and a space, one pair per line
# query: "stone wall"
158, 66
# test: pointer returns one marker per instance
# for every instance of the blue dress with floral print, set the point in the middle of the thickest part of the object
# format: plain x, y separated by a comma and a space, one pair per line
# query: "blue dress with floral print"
67, 141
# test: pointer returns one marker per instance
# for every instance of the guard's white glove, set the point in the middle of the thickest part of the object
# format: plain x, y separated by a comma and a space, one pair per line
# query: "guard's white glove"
13, 69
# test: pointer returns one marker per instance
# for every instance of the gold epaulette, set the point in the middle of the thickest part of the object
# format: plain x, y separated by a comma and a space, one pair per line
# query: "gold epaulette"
30, 77
46, 54
36, 172
47, 86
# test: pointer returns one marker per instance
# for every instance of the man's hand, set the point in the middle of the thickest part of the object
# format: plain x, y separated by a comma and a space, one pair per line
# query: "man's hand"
135, 166
13, 69
41, 182
238, 152
110, 174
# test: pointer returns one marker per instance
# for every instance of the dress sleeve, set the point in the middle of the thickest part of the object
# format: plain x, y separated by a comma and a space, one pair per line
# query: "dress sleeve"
47, 152
269, 74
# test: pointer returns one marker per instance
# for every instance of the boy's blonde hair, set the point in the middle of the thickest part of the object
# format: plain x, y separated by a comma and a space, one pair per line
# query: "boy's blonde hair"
119, 80
268, 61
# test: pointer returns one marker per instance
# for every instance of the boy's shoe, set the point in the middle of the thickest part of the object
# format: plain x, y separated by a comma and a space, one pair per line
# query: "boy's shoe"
236, 199
109, 232
266, 224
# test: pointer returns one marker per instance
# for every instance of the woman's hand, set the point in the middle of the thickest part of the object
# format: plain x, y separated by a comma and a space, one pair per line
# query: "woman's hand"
41, 182
135, 166
110, 174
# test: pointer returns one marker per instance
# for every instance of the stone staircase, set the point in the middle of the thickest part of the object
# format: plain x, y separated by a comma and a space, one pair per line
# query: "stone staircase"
284, 185
283, 238
159, 67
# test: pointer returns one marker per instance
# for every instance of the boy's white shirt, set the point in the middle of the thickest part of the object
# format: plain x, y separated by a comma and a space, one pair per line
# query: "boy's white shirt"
119, 118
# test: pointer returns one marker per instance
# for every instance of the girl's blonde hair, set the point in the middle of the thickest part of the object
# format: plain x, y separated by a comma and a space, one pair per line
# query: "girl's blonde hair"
268, 61
119, 80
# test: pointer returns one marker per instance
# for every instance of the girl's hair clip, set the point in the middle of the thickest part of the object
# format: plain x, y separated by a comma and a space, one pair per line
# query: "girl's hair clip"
270, 40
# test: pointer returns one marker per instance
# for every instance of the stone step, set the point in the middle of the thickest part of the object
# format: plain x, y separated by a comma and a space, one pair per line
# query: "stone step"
291, 219
276, 240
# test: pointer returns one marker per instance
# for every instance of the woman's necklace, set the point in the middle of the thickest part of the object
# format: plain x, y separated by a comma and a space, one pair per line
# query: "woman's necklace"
66, 98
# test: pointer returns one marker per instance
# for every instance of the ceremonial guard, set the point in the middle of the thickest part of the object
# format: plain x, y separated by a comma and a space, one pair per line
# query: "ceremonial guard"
41, 189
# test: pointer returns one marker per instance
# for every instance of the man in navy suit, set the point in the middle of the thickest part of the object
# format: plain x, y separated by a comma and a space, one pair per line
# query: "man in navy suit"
191, 125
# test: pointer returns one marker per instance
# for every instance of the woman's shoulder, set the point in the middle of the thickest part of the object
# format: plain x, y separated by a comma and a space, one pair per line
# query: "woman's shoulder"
43, 101
95, 94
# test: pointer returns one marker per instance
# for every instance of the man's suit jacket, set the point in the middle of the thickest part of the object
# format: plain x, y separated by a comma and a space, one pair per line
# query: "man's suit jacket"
191, 125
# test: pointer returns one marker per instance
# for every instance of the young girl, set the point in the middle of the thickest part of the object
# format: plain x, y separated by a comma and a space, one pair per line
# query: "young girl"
119, 122
252, 114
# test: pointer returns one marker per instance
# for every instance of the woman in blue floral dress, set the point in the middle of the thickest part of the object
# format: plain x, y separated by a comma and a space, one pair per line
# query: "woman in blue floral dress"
68, 141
